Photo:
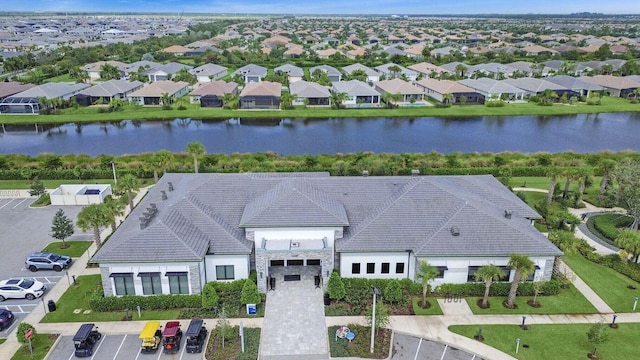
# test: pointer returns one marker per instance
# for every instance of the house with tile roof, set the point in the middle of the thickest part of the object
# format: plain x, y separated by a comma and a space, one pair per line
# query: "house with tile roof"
437, 89
211, 93
617, 86
93, 69
251, 73
359, 94
493, 89
191, 229
411, 94
581, 87
294, 73
107, 91
261, 95
152, 93
209, 72
166, 71
310, 94
27, 101
372, 75
533, 86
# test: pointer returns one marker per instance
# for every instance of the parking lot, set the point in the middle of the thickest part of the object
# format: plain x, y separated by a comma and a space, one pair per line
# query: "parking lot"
406, 347
26, 230
119, 347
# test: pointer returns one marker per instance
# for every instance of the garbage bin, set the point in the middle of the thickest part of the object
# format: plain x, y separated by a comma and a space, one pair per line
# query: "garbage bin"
327, 301
52, 305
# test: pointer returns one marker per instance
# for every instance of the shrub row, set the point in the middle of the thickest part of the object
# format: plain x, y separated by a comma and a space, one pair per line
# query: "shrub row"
98, 302
607, 225
358, 291
229, 294
629, 269
68, 174
549, 288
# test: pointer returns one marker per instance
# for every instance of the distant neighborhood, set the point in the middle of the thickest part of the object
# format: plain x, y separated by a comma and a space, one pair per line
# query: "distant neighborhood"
278, 63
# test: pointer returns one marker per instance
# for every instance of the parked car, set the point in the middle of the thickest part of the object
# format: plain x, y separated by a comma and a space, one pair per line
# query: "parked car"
151, 336
85, 339
171, 337
21, 289
6, 319
196, 336
47, 261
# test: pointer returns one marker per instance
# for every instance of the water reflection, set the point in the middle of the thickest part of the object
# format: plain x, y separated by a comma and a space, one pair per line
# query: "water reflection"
332, 135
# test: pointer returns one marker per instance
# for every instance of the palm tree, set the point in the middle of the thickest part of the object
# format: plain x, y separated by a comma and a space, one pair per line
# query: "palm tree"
230, 101
162, 159
629, 240
488, 274
93, 217
337, 98
460, 70
395, 70
113, 208
286, 100
569, 175
523, 267
583, 174
447, 98
606, 166
195, 149
425, 274
129, 183
553, 173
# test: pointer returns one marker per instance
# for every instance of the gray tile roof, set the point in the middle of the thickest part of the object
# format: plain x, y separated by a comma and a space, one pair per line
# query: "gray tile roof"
53, 90
351, 68
207, 213
251, 69
305, 89
354, 88
112, 88
292, 70
534, 85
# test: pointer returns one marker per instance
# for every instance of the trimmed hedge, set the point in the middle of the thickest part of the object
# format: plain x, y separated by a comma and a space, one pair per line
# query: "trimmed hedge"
549, 288
69, 174
607, 225
629, 269
98, 302
358, 291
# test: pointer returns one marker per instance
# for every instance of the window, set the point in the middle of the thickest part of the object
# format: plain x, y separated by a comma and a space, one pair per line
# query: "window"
178, 282
123, 283
371, 268
385, 268
471, 274
532, 276
150, 283
441, 270
355, 268
224, 272
507, 273
399, 268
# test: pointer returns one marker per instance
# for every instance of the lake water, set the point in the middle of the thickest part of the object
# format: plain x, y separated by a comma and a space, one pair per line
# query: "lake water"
579, 133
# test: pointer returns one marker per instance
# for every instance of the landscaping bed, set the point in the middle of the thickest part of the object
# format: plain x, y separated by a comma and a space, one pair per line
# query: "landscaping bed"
360, 346
607, 226
232, 348
41, 344
74, 249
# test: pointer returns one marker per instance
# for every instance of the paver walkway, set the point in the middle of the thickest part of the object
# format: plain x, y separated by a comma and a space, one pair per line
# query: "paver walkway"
294, 323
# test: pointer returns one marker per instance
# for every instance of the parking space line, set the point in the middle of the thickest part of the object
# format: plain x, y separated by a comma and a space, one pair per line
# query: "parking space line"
160, 351
73, 353
137, 356
418, 350
98, 348
120, 347
10, 201
18, 204
444, 351
184, 347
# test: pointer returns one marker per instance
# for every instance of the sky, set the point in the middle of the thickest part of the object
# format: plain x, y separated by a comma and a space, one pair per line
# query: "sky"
399, 7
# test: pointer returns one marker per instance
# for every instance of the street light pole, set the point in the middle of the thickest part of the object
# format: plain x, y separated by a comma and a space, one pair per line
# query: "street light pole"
373, 318
115, 179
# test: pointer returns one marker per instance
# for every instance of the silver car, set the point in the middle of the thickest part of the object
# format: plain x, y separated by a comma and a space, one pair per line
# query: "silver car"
47, 261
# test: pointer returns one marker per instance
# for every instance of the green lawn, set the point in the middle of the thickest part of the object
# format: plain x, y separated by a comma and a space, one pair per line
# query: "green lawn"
569, 301
433, 310
91, 114
41, 344
77, 297
609, 284
49, 184
542, 182
533, 198
566, 341
75, 249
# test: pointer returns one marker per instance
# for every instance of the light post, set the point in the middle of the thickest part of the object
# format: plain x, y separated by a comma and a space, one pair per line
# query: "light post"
613, 324
523, 326
373, 317
517, 345
115, 178
635, 303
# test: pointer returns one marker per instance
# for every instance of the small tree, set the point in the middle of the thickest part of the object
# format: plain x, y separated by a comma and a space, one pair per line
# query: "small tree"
250, 293
425, 274
61, 227
22, 329
382, 316
195, 149
393, 293
335, 287
210, 296
488, 274
37, 188
597, 334
129, 184
537, 290
223, 328
523, 267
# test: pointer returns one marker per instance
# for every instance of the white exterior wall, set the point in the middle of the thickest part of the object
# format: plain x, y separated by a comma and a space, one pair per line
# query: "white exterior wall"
162, 268
240, 266
293, 79
458, 268
347, 259
74, 194
296, 234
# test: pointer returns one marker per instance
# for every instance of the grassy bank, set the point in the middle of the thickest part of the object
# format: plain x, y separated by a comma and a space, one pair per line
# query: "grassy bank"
90, 114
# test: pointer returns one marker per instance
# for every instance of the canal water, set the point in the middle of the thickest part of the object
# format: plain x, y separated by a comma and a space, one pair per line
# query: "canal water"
580, 133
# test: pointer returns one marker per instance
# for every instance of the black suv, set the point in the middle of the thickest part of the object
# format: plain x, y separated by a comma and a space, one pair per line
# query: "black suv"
47, 261
196, 336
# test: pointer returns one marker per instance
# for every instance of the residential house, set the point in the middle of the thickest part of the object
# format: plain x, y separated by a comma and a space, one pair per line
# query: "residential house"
493, 89
359, 94
93, 70
191, 229
372, 75
139, 66
493, 70
437, 89
616, 86
533, 86
529, 69
176, 50
428, 70
579, 86
389, 71
310, 93
251, 73
27, 101
152, 94
209, 72
293, 72
8, 88
212, 93
261, 95
411, 95
165, 72
333, 73
106, 91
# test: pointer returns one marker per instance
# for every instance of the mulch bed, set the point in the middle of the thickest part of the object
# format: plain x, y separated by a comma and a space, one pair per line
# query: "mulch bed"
504, 303
479, 302
534, 304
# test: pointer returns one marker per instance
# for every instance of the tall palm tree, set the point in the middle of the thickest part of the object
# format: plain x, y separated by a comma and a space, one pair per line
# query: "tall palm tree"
195, 149
488, 274
113, 208
337, 98
425, 274
553, 173
629, 240
523, 267
447, 98
286, 100
606, 166
569, 175
93, 217
230, 101
460, 70
583, 174
162, 159
129, 183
